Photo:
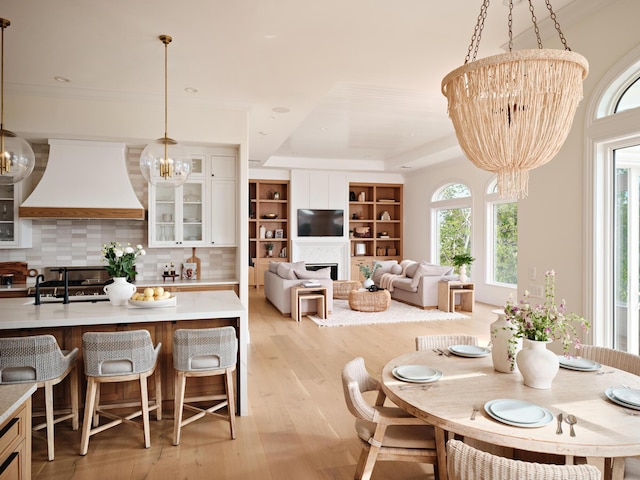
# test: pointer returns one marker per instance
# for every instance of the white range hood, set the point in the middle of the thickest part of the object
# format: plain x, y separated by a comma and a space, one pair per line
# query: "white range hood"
84, 179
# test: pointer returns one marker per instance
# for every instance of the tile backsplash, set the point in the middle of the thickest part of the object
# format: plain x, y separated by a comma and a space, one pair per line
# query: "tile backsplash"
79, 242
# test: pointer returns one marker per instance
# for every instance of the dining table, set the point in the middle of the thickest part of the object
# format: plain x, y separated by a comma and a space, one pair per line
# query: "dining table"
604, 430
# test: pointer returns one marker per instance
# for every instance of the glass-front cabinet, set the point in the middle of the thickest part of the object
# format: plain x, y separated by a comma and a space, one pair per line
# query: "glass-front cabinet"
14, 232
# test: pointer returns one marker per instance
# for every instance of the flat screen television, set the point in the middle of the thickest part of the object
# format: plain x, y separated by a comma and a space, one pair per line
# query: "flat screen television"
320, 223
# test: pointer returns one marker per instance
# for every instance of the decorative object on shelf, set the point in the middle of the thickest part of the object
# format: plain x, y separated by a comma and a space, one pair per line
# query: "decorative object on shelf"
381, 252
283, 252
512, 112
269, 247
362, 197
352, 196
542, 323
363, 232
385, 216
279, 233
270, 216
189, 271
360, 249
121, 261
269, 234
276, 195
165, 162
462, 260
193, 259
504, 344
120, 291
383, 235
392, 251
16, 155
263, 232
367, 271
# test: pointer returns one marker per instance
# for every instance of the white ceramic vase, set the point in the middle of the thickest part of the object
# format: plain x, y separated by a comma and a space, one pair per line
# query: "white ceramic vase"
120, 291
462, 273
367, 283
537, 365
504, 344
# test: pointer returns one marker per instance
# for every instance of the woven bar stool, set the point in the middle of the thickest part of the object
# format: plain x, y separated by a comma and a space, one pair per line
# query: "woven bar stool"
38, 359
118, 357
201, 353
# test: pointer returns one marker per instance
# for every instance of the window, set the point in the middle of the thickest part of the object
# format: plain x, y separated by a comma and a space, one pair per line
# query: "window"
452, 218
502, 241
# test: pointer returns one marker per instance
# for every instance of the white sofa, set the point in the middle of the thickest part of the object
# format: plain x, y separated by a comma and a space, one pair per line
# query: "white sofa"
411, 282
281, 276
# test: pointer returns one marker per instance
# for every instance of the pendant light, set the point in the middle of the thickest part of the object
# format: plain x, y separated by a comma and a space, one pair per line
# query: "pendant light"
512, 112
165, 162
16, 156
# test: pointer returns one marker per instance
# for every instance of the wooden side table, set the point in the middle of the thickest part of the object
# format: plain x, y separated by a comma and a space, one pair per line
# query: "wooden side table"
299, 293
447, 291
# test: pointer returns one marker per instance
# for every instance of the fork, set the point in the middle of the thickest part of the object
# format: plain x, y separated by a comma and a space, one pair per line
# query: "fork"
473, 414
629, 412
443, 352
438, 351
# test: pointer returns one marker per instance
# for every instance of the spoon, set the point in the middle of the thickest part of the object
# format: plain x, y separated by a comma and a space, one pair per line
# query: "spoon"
571, 420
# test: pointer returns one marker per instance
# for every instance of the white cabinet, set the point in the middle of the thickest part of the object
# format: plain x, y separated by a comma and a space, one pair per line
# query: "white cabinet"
14, 232
201, 212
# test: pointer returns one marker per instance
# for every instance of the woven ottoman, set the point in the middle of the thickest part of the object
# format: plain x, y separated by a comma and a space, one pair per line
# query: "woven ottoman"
341, 288
366, 301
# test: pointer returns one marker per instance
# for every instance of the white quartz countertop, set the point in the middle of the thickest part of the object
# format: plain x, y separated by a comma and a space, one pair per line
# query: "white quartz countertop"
189, 306
12, 396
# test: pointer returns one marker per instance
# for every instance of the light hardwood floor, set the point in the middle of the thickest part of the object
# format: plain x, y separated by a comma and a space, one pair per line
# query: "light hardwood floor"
298, 426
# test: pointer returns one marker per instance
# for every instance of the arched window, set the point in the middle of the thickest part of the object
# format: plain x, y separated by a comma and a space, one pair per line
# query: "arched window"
502, 237
451, 217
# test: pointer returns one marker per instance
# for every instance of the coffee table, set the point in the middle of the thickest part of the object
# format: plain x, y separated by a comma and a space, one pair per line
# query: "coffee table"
366, 301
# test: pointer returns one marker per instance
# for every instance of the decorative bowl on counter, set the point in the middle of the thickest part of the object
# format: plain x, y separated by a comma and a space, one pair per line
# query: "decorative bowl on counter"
169, 302
270, 216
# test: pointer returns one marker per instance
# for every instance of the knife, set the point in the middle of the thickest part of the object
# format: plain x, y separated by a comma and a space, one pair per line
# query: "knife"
559, 429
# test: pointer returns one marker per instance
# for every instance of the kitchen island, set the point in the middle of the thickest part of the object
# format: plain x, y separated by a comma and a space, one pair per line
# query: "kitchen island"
192, 310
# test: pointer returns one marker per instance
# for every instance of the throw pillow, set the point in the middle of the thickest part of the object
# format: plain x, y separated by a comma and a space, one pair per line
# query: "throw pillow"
404, 264
410, 271
287, 270
310, 274
273, 267
385, 267
396, 269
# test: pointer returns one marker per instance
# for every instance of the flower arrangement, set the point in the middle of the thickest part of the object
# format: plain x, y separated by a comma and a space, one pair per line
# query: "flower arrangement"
462, 259
121, 260
545, 322
367, 270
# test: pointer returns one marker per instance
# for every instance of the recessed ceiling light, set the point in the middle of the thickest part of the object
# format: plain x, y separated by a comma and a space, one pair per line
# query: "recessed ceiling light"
61, 79
191, 90
281, 109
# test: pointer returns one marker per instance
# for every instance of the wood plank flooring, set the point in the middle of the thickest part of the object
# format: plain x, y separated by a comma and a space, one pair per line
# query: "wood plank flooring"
298, 427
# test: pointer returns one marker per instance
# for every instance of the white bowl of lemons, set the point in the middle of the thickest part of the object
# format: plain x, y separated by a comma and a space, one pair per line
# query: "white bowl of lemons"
152, 298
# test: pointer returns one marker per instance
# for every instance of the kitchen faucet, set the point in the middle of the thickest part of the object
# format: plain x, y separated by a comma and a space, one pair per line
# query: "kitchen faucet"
39, 278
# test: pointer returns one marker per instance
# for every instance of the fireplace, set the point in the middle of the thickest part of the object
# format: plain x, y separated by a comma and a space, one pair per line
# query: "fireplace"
318, 266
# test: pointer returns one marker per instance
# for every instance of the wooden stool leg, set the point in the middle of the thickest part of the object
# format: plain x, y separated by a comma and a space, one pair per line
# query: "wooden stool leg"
180, 381
48, 406
158, 379
231, 402
144, 398
96, 405
74, 391
89, 405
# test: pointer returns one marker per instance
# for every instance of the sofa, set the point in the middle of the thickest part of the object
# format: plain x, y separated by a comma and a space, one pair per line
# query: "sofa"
281, 276
415, 283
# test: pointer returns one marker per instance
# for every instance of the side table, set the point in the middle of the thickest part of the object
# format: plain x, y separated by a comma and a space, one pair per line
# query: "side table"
447, 291
299, 293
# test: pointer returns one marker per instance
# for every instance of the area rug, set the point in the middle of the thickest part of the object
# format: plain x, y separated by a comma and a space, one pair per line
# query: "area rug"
399, 312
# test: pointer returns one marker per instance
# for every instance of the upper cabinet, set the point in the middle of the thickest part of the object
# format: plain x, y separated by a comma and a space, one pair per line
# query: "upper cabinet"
14, 232
202, 211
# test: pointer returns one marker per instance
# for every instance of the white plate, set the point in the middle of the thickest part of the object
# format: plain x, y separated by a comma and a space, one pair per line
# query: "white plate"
583, 364
435, 378
609, 393
415, 372
169, 302
469, 351
547, 418
518, 411
627, 395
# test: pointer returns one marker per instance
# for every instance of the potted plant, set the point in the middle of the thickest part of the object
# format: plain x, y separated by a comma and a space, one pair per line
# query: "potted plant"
269, 247
367, 271
462, 260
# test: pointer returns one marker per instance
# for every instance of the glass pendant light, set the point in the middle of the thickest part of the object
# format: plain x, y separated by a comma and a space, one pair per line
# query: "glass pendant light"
165, 162
16, 156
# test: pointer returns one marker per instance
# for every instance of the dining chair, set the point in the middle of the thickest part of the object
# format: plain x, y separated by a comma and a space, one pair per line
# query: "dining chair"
121, 356
628, 362
204, 352
429, 342
467, 463
386, 433
38, 359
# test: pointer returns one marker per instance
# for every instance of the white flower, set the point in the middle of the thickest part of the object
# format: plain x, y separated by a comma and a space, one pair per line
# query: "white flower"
139, 247
128, 249
118, 252
142, 252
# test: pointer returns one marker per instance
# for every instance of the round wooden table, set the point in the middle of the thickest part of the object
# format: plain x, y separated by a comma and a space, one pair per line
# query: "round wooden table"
603, 429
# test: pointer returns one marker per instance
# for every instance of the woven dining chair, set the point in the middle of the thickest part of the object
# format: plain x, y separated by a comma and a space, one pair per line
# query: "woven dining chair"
204, 352
623, 361
467, 463
386, 433
111, 357
429, 342
38, 359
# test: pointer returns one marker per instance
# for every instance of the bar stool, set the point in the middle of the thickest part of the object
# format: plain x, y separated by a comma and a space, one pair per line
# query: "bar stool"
119, 357
38, 359
202, 353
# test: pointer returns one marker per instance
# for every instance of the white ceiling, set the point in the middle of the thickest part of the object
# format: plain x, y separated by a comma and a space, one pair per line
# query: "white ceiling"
360, 79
